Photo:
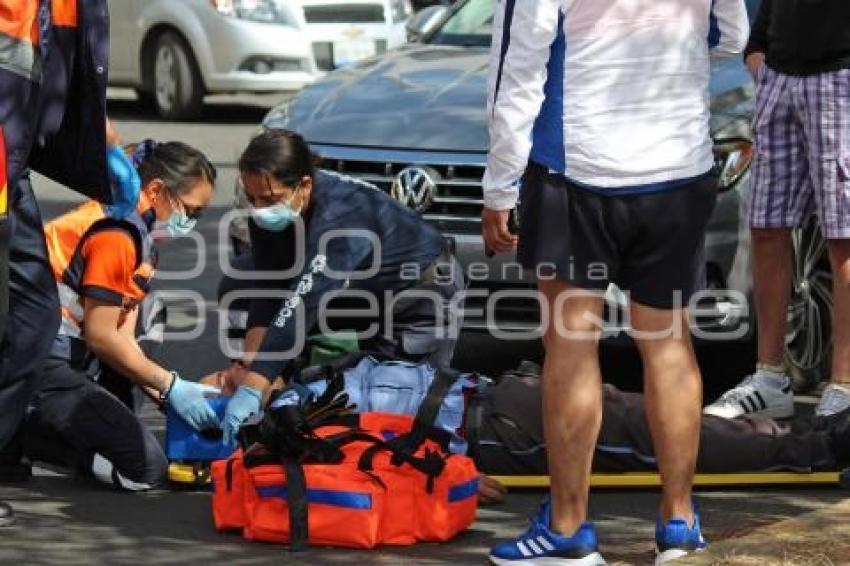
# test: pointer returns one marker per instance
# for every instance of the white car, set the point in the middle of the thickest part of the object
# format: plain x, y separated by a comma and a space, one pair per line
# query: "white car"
173, 52
346, 31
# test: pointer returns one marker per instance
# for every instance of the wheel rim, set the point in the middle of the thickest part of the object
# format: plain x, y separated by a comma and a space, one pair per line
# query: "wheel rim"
810, 311
165, 77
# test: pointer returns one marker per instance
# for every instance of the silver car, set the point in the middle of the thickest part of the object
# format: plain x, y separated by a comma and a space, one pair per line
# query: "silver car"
173, 52
413, 122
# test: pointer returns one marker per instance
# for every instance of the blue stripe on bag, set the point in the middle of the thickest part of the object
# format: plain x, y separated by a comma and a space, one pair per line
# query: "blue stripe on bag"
348, 499
463, 491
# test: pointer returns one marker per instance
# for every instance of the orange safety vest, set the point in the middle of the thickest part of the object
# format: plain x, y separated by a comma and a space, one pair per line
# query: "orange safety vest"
366, 499
65, 238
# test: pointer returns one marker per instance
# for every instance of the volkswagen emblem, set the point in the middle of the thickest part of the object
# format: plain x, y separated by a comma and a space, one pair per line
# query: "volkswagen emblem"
415, 187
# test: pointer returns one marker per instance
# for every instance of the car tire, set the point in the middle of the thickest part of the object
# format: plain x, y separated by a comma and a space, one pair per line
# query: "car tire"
147, 101
808, 342
178, 92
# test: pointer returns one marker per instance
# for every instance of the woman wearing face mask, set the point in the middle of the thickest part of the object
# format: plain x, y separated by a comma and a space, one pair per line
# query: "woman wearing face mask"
317, 234
103, 268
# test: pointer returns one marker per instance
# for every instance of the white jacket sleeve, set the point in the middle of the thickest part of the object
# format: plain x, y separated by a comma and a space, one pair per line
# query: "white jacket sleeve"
523, 31
729, 27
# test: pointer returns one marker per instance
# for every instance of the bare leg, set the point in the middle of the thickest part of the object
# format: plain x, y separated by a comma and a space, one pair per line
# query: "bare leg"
772, 281
673, 392
572, 400
839, 259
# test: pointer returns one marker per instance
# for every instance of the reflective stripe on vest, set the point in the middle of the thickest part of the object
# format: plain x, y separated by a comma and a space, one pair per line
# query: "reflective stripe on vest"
4, 181
72, 312
19, 36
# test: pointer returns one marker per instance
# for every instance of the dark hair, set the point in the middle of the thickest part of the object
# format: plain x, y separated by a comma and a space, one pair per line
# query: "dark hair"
283, 154
179, 166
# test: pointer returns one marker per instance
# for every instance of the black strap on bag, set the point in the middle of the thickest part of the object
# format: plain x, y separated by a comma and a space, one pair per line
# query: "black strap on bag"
426, 416
296, 500
296, 486
431, 465
228, 473
405, 446
330, 370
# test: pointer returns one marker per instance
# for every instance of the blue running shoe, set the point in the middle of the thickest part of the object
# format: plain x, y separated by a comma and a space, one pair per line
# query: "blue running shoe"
676, 539
538, 546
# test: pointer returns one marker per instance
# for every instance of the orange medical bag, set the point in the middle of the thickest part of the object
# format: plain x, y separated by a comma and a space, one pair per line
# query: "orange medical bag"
391, 486
228, 480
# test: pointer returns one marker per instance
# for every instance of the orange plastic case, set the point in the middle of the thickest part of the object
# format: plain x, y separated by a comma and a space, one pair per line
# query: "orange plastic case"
349, 507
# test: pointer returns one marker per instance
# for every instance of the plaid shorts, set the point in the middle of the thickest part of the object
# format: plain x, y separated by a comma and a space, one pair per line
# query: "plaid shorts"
802, 161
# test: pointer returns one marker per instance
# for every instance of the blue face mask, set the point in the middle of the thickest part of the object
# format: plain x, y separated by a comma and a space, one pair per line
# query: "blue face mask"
177, 225
275, 218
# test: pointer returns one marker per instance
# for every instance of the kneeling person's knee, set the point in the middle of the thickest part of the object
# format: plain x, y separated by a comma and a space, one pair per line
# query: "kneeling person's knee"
139, 475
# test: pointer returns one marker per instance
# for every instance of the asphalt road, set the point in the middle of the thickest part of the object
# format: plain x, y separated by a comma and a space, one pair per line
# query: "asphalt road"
68, 521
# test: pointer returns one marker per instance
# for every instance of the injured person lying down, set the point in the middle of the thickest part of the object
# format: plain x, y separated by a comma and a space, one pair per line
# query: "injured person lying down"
498, 424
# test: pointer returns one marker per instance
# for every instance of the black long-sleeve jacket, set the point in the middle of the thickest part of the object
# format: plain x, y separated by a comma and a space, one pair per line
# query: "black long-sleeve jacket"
350, 229
803, 37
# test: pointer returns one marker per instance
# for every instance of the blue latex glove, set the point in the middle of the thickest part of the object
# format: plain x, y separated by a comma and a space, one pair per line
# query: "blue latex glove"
293, 394
124, 181
246, 402
187, 400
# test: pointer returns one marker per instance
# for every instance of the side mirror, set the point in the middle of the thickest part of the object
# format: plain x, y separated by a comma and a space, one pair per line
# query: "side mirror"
425, 21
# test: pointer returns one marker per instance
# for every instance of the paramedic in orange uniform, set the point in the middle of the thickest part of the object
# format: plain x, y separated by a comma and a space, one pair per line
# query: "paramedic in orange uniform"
53, 63
103, 268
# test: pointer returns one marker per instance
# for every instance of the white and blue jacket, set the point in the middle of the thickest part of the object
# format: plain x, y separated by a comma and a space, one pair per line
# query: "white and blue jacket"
612, 94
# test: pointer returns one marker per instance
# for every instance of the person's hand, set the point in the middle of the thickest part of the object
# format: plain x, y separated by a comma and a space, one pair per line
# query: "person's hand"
227, 380
490, 491
494, 226
112, 136
124, 181
246, 402
188, 400
754, 62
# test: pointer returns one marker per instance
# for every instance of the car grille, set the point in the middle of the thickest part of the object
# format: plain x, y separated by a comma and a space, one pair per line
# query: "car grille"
323, 52
516, 311
457, 204
342, 14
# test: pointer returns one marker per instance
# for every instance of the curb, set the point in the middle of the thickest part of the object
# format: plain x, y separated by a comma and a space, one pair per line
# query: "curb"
819, 538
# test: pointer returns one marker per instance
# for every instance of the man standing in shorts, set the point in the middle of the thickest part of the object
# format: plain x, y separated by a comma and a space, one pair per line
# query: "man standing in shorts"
599, 109
799, 54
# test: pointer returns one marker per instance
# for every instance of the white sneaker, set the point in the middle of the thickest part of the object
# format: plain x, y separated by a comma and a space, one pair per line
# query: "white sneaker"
835, 398
759, 394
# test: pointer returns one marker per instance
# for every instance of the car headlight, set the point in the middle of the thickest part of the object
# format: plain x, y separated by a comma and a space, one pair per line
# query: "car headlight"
400, 10
265, 11
732, 159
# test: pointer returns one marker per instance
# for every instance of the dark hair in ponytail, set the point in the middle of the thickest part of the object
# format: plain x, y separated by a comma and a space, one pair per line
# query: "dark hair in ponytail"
283, 154
178, 165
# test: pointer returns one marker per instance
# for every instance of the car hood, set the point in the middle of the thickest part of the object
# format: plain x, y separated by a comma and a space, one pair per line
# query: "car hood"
419, 97
423, 96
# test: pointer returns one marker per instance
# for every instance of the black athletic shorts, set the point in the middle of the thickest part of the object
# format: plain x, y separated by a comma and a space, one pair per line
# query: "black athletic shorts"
649, 245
